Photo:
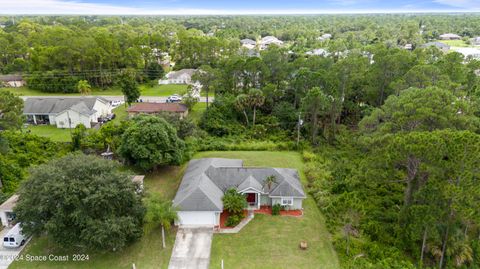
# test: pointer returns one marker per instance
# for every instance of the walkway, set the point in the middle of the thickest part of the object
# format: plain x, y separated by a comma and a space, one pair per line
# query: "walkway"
192, 248
237, 228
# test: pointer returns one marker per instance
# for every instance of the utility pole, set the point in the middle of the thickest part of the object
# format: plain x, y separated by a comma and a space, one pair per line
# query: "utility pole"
299, 123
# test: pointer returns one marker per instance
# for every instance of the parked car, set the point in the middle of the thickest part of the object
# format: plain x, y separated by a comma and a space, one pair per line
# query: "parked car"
116, 102
14, 238
110, 117
174, 98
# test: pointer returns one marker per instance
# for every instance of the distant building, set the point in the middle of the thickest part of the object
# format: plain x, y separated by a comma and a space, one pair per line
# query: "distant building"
439, 45
408, 47
183, 76
476, 41
248, 43
14, 81
318, 52
266, 41
471, 53
450, 36
66, 112
155, 108
6, 211
324, 37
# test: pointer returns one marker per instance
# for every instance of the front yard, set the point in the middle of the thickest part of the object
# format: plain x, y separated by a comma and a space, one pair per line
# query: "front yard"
266, 242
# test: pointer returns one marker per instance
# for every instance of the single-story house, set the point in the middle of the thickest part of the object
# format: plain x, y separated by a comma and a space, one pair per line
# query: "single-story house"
66, 112
473, 53
450, 36
324, 37
318, 52
155, 108
14, 81
183, 76
266, 41
248, 43
6, 211
476, 41
408, 46
439, 45
199, 197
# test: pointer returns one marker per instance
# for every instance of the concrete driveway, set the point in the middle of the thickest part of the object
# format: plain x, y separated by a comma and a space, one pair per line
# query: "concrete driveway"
192, 248
7, 255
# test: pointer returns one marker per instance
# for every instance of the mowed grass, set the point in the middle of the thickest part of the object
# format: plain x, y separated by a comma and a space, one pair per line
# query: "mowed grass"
197, 111
455, 43
145, 90
51, 131
146, 253
273, 241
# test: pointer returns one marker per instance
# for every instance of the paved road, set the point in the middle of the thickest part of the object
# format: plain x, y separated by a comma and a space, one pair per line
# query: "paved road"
153, 99
192, 248
7, 255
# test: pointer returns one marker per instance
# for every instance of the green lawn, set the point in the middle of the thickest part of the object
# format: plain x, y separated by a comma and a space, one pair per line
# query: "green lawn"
120, 113
145, 90
197, 111
266, 242
455, 43
51, 131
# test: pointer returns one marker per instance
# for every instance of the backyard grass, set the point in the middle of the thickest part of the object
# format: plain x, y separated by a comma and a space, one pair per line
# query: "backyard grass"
145, 90
197, 111
51, 131
266, 242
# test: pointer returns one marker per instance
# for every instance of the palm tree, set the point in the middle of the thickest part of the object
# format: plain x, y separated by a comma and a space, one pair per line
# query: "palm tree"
241, 104
84, 87
161, 212
257, 99
270, 180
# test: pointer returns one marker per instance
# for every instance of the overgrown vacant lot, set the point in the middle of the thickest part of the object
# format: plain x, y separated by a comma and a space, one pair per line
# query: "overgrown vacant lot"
266, 242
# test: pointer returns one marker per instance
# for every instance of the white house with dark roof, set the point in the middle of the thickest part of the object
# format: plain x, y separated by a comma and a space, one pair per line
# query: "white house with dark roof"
7, 216
450, 36
266, 41
66, 112
199, 197
183, 76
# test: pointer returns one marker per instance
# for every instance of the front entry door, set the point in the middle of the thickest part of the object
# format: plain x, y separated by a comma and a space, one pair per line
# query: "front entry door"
251, 198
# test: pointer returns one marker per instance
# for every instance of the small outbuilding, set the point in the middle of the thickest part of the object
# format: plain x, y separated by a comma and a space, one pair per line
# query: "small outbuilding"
12, 80
450, 36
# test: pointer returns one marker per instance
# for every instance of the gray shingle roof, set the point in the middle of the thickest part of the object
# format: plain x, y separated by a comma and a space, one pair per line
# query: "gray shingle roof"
48, 105
206, 180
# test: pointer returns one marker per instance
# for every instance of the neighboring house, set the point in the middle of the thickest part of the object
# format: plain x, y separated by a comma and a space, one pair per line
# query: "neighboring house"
324, 37
476, 41
183, 76
439, 45
66, 112
266, 41
248, 43
6, 211
472, 53
318, 52
14, 81
408, 47
450, 36
155, 108
199, 197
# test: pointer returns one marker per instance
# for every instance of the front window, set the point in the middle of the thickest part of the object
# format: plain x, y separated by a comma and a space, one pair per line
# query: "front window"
287, 201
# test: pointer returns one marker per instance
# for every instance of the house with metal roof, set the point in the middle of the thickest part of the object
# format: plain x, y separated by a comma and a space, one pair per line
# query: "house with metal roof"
199, 197
66, 112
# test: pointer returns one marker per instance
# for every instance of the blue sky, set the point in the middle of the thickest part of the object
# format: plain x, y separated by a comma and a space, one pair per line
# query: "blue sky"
207, 7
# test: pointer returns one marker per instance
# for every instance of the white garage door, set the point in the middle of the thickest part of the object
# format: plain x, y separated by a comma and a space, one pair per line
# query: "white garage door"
197, 218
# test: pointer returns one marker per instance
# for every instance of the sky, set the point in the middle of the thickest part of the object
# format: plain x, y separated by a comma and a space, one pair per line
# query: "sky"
228, 7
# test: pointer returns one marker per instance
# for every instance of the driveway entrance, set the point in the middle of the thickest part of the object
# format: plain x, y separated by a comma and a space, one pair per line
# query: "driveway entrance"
192, 248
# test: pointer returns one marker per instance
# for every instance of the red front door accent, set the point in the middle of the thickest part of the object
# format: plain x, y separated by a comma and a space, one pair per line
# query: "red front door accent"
251, 197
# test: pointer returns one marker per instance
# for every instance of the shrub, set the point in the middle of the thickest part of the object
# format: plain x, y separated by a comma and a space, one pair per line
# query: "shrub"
234, 202
233, 220
276, 209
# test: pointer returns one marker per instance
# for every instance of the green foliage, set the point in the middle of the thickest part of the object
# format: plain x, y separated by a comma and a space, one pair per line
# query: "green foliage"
127, 81
276, 209
84, 87
78, 134
234, 202
54, 81
160, 211
11, 111
233, 220
150, 141
79, 218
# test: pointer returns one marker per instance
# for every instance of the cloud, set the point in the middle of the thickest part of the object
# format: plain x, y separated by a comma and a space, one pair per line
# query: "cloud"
466, 4
75, 7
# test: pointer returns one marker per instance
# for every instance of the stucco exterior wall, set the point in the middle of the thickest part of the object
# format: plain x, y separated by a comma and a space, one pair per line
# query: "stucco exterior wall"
76, 118
297, 203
